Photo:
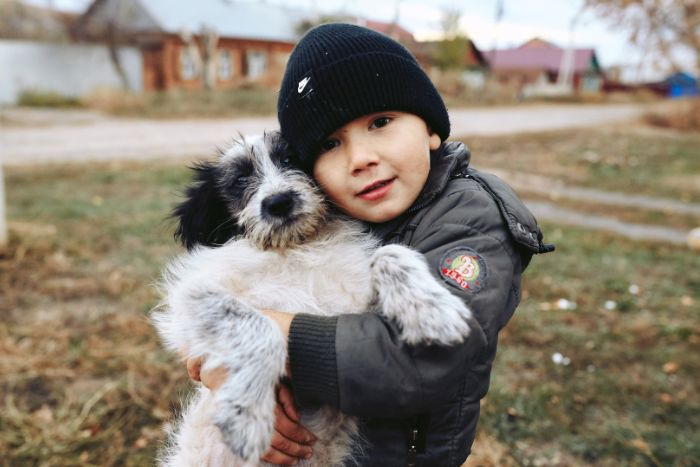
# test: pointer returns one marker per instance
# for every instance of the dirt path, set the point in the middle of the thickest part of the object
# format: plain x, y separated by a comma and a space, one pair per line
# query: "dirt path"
555, 189
31, 137
551, 212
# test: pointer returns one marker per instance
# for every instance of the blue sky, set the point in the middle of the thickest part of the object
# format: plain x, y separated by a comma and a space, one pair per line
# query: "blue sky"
522, 19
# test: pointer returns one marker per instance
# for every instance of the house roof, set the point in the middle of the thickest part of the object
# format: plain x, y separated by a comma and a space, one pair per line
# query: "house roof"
394, 30
19, 20
680, 78
540, 55
235, 19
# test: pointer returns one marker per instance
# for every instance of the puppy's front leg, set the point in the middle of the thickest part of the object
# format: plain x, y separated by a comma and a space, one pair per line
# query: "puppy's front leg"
406, 292
251, 347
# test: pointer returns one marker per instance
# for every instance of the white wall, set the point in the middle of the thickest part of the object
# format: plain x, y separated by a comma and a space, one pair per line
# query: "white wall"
68, 69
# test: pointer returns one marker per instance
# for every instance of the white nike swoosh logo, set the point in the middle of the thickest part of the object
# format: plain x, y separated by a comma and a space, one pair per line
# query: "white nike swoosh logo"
302, 84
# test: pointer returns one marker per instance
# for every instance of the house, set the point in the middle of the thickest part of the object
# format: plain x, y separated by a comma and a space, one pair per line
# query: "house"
38, 56
538, 62
681, 85
187, 45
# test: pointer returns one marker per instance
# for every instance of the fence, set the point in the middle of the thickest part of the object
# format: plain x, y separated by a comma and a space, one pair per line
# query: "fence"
67, 69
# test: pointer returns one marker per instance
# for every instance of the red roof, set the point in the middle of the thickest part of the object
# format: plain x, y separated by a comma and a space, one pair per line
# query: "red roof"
393, 30
542, 56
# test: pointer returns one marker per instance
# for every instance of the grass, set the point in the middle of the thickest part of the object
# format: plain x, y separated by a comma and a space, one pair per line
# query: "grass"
628, 395
635, 161
83, 378
233, 103
40, 98
85, 382
241, 102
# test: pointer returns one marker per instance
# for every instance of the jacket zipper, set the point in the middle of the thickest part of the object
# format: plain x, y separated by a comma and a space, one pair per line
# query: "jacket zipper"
412, 456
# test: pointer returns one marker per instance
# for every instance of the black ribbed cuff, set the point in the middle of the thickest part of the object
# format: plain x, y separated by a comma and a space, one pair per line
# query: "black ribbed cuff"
312, 360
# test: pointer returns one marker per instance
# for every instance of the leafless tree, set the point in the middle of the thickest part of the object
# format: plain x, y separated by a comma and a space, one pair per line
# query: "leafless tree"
665, 28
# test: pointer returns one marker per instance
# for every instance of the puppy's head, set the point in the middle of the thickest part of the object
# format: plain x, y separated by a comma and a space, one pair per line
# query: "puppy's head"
252, 190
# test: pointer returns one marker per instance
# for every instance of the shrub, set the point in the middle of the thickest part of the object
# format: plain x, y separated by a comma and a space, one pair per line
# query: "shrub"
43, 98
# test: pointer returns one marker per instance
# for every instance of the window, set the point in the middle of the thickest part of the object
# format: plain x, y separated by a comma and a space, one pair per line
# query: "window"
224, 63
256, 63
189, 63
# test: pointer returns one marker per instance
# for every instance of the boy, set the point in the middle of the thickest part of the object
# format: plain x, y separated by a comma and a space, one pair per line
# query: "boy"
369, 125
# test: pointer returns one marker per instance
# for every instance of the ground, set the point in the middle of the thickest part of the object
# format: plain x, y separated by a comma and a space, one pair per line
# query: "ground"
597, 367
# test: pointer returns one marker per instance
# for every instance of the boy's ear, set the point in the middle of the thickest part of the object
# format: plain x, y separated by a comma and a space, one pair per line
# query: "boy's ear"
203, 218
435, 141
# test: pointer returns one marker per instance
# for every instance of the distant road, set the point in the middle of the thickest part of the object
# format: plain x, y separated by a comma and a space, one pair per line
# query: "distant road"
33, 137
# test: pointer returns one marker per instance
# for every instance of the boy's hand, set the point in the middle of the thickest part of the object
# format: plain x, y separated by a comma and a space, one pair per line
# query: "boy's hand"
213, 379
290, 441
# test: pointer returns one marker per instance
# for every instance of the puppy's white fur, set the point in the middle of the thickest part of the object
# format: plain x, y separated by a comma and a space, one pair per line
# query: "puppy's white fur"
212, 297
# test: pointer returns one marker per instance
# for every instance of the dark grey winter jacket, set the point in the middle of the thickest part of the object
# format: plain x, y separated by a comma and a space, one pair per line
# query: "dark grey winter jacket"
420, 405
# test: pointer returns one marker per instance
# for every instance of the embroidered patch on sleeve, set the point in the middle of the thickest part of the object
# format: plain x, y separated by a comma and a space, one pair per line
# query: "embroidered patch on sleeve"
464, 268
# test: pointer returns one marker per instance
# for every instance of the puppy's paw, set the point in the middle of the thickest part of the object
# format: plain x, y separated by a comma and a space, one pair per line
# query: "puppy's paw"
246, 403
246, 431
409, 294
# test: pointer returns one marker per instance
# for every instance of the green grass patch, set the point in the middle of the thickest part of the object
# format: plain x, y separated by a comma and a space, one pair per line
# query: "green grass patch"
42, 98
85, 380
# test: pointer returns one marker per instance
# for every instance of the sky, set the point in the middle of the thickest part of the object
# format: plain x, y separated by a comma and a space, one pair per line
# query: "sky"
521, 20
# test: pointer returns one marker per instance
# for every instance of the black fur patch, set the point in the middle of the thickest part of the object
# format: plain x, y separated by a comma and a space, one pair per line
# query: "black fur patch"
203, 217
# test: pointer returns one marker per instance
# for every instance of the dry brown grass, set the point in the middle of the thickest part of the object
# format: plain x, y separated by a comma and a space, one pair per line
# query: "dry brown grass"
233, 103
84, 380
683, 116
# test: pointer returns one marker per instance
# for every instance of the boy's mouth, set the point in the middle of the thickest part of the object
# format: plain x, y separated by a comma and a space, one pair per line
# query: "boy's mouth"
376, 190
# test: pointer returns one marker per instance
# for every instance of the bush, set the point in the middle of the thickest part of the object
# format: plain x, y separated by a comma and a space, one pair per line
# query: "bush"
43, 98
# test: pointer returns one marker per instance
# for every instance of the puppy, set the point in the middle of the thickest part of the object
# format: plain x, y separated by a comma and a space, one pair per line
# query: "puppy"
260, 235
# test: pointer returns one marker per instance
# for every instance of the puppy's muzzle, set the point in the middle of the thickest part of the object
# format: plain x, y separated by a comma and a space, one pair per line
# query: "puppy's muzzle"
280, 205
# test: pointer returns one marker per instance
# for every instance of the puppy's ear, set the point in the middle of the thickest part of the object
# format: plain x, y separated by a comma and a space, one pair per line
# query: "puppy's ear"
203, 218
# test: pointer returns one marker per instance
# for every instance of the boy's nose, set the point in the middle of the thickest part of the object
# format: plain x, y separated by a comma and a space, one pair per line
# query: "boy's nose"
362, 158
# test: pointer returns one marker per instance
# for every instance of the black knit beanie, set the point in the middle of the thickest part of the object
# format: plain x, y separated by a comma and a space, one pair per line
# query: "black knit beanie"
339, 72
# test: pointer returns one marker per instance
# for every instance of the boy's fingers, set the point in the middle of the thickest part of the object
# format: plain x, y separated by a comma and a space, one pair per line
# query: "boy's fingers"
291, 429
289, 447
194, 365
286, 399
273, 456
214, 377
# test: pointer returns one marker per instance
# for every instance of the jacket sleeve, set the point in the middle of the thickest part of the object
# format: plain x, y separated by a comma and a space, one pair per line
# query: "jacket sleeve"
358, 364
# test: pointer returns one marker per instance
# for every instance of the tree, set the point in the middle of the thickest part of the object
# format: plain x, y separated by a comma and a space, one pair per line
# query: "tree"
304, 25
209, 39
452, 50
665, 28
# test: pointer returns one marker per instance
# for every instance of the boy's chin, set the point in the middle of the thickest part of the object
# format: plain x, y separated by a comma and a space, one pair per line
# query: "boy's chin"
378, 214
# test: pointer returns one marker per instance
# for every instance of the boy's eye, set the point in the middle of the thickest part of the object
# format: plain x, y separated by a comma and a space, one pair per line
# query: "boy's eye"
380, 122
329, 144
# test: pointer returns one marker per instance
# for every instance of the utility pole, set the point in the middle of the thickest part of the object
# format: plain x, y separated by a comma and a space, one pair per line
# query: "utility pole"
565, 80
500, 9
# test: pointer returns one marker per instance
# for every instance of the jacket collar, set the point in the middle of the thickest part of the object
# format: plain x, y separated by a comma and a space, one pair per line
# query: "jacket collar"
444, 162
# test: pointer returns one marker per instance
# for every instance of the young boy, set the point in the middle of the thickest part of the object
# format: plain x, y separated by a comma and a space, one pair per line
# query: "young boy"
369, 125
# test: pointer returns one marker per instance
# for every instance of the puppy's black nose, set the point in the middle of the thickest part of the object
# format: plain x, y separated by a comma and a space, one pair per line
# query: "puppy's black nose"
278, 205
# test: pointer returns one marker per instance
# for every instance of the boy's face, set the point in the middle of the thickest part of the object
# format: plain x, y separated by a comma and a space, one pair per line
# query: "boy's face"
375, 167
